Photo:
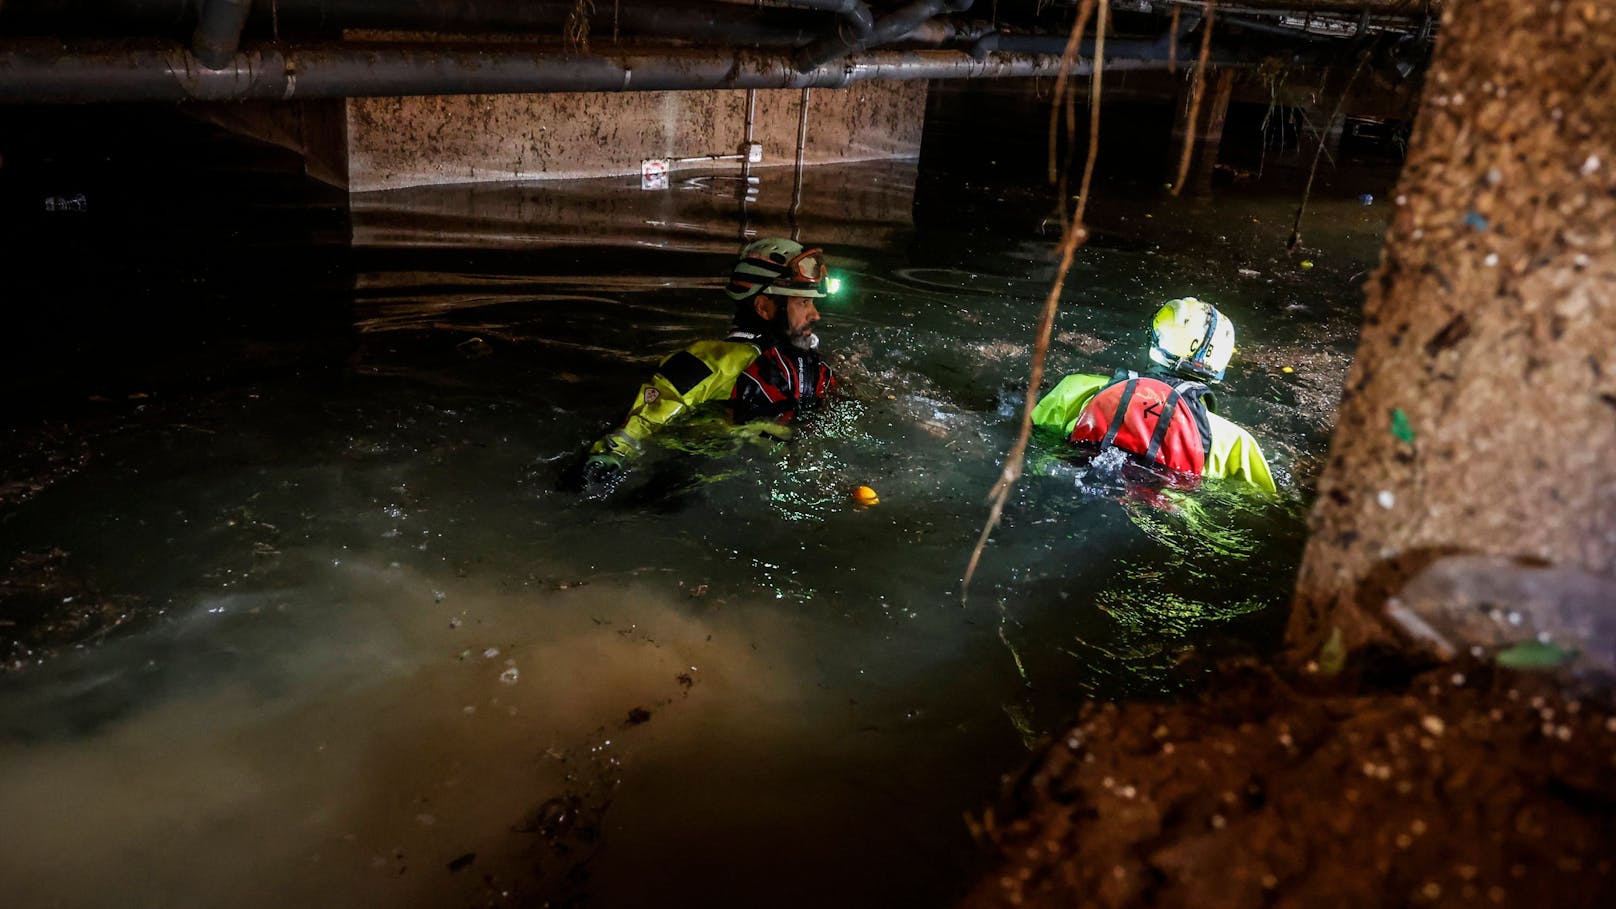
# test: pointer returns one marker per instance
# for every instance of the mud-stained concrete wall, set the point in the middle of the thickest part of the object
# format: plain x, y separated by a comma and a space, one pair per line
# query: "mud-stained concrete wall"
399, 142
868, 205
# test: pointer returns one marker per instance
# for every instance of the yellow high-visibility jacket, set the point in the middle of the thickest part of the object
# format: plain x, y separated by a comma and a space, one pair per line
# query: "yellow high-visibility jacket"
704, 371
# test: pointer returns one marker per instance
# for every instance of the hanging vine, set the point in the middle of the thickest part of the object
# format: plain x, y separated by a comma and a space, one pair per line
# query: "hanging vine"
1295, 241
1072, 237
1197, 89
577, 27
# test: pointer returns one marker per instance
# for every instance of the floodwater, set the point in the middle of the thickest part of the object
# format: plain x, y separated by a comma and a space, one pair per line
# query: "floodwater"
298, 613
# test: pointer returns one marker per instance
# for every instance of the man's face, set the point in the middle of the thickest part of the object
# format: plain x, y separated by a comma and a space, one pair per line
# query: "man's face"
793, 318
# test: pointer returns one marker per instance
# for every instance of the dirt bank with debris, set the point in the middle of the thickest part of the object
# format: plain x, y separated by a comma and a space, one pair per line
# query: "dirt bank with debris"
1472, 785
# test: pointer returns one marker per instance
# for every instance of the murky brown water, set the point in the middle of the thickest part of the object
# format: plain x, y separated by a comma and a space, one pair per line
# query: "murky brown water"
369, 654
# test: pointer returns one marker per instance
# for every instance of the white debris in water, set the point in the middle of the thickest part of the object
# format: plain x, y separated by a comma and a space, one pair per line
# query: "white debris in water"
509, 676
490, 653
469, 710
1433, 724
1590, 166
1491, 260
1458, 679
1385, 498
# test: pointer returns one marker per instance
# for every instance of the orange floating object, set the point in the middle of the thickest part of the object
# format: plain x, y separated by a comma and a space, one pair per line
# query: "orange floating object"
864, 495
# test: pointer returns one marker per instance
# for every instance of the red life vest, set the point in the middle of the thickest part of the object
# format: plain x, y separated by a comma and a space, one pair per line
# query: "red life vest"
779, 381
1164, 423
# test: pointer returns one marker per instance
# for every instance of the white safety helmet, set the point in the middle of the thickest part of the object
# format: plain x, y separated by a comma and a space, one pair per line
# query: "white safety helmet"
775, 265
1191, 337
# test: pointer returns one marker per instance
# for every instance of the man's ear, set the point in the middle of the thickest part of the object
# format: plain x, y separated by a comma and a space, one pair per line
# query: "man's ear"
764, 306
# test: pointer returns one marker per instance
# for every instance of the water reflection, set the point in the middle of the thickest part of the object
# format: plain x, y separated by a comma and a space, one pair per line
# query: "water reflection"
388, 661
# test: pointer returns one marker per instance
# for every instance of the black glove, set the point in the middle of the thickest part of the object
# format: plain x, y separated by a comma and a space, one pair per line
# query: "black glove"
599, 474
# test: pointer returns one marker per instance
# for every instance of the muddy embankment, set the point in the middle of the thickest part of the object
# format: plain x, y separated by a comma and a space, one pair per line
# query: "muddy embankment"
1469, 784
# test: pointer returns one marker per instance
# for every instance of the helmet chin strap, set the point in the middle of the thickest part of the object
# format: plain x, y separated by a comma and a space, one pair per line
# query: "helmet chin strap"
1211, 329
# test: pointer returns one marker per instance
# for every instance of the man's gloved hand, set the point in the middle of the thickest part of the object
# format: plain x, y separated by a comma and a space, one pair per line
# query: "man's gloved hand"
593, 477
602, 472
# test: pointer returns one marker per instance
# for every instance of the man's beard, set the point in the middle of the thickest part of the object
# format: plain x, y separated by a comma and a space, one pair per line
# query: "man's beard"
802, 340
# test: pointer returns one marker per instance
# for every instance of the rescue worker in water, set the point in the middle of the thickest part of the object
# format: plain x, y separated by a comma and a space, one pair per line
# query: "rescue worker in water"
768, 367
1164, 418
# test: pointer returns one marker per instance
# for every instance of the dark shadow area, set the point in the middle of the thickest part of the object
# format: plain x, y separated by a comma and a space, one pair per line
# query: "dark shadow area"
147, 251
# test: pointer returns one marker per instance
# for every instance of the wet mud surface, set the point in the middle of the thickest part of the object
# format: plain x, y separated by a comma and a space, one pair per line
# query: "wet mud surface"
45, 606
1471, 786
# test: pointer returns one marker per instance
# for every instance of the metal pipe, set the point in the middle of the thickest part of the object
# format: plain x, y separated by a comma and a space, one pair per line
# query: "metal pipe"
746, 139
888, 28
38, 72
802, 152
855, 13
1271, 28
218, 31
1160, 48
743, 192
797, 172
751, 112
696, 20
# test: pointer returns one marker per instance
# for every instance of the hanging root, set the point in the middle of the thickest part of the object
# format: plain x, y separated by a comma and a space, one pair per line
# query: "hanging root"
1073, 41
1172, 43
577, 28
1073, 237
1295, 241
1196, 90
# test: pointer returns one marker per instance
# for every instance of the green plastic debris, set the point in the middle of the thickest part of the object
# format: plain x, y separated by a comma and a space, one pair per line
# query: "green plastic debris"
1401, 427
1333, 655
1533, 655
1023, 725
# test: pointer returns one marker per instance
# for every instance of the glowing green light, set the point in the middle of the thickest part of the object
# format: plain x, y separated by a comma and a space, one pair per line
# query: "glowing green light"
833, 285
